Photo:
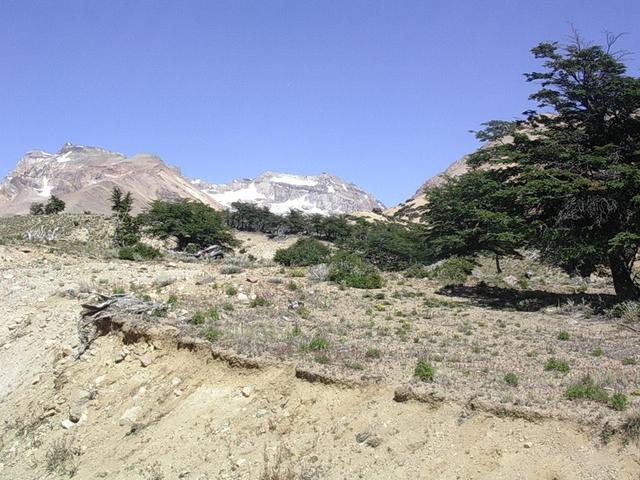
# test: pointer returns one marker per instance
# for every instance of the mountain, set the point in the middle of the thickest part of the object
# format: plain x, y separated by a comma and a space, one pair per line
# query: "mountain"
84, 177
407, 210
324, 194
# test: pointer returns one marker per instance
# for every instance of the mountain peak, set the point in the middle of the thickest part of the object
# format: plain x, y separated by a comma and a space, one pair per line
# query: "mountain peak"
280, 192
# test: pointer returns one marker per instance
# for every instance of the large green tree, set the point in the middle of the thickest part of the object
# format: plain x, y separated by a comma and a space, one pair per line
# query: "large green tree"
188, 222
566, 179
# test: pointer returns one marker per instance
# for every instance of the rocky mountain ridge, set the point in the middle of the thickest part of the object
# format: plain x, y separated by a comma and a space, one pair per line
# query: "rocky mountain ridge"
84, 177
324, 194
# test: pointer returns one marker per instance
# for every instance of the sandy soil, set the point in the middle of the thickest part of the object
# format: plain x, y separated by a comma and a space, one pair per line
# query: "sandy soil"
147, 409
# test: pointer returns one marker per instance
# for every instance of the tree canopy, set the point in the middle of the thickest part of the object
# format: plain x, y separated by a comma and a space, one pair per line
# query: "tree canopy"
564, 180
188, 222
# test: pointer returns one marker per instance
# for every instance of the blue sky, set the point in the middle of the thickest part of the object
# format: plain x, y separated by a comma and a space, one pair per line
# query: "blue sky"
382, 93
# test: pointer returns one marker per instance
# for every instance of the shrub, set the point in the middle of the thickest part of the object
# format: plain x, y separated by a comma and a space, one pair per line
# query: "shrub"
319, 344
373, 353
213, 314
557, 365
564, 336
597, 352
197, 318
172, 300
139, 251
619, 402
511, 379
231, 291
292, 286
352, 271
305, 252
260, 302
587, 388
629, 361
424, 371
416, 271
454, 270
631, 428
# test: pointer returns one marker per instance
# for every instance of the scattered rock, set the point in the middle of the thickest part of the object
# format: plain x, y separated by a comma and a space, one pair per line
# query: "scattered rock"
177, 392
261, 412
67, 424
175, 381
204, 280
528, 445
252, 280
510, 280
246, 391
78, 405
130, 416
119, 356
242, 297
145, 360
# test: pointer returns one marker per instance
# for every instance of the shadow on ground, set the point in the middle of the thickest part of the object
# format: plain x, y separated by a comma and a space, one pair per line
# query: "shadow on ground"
526, 300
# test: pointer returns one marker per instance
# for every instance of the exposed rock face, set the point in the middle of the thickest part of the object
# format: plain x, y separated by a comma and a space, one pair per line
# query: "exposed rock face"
84, 177
407, 210
280, 192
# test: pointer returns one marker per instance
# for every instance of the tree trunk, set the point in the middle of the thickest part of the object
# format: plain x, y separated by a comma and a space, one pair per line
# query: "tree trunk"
625, 287
498, 268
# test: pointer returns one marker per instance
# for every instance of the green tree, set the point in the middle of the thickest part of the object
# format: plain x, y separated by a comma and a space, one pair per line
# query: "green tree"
54, 205
188, 222
572, 170
36, 208
126, 229
474, 213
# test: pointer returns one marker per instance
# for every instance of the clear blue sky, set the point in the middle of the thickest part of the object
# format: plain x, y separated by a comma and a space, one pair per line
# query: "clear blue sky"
382, 93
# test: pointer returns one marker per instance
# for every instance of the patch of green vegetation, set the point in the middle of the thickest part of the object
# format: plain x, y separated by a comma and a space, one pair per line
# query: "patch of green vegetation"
227, 306
587, 389
292, 286
511, 379
424, 371
319, 344
352, 271
260, 302
452, 270
629, 361
556, 365
563, 335
323, 359
197, 318
597, 352
231, 291
303, 253
619, 401
373, 353
213, 314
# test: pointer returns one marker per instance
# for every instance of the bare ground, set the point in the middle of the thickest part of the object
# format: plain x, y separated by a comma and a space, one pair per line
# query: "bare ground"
189, 414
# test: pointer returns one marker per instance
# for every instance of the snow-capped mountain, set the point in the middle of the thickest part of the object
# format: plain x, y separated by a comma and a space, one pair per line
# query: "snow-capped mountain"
85, 176
280, 192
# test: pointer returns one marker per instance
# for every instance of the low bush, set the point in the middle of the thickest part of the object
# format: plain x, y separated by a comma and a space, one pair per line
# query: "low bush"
511, 379
303, 253
452, 270
424, 371
138, 252
587, 388
352, 271
556, 365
